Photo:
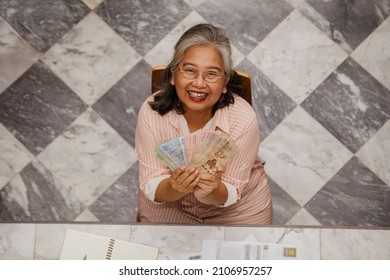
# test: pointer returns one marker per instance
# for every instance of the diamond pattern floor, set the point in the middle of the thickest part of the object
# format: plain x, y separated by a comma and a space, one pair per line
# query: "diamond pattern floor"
73, 75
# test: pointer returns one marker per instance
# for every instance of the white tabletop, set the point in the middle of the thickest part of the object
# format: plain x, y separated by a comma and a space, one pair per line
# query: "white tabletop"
22, 241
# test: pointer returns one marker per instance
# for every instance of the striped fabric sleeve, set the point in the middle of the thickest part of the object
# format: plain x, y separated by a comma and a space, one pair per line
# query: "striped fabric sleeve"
148, 126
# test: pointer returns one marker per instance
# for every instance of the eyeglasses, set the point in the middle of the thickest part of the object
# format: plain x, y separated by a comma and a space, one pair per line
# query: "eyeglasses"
191, 74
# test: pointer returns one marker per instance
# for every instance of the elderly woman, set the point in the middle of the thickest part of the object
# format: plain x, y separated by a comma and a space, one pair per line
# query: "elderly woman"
198, 92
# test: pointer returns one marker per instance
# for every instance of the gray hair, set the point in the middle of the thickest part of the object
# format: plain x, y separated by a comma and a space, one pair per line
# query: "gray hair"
201, 35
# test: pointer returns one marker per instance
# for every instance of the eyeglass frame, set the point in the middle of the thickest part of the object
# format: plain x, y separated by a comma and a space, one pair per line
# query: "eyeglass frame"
197, 75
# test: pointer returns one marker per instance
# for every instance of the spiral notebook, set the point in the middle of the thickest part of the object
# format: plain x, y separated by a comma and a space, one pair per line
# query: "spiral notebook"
80, 245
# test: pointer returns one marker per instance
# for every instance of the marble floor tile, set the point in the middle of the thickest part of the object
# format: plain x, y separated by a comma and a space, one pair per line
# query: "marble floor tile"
295, 3
86, 216
284, 206
303, 218
36, 195
307, 244
351, 244
270, 103
47, 109
194, 3
16, 55
374, 54
162, 53
261, 16
375, 154
37, 22
300, 152
123, 100
91, 58
17, 241
297, 57
143, 24
13, 156
49, 237
175, 241
88, 157
125, 194
92, 4
350, 104
357, 198
346, 22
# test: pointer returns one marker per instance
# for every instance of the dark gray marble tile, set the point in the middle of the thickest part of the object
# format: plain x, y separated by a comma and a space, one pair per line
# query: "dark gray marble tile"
351, 104
120, 105
143, 23
246, 22
120, 202
347, 22
34, 195
271, 104
284, 206
355, 196
42, 22
37, 107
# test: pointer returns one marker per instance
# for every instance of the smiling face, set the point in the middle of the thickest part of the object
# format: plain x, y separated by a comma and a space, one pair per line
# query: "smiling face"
197, 95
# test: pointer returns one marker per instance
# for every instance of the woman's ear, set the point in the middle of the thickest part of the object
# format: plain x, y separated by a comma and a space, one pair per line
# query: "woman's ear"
224, 90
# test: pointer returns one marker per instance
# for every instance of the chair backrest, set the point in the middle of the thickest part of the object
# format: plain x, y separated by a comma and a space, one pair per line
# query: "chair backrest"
245, 80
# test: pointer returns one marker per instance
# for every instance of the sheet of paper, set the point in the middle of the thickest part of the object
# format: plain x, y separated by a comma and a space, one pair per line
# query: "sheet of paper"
246, 250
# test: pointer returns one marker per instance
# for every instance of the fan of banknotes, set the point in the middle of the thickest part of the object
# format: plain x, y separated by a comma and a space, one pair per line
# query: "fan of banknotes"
203, 150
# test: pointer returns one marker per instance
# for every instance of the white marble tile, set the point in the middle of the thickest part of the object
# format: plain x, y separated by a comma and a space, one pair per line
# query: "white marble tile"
306, 240
302, 217
174, 241
237, 56
162, 53
16, 55
87, 158
91, 58
17, 241
374, 53
86, 216
355, 244
301, 156
375, 154
13, 156
297, 57
92, 4
50, 237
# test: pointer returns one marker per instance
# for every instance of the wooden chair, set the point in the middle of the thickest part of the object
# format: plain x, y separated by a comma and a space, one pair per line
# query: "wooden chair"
245, 80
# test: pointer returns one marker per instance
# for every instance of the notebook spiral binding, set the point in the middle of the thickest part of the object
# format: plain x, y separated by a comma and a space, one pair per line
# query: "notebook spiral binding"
110, 249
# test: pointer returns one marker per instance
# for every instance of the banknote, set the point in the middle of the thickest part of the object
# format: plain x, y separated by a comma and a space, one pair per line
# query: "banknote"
204, 150
172, 152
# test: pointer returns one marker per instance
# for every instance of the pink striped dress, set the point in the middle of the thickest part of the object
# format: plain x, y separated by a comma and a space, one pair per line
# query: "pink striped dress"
244, 170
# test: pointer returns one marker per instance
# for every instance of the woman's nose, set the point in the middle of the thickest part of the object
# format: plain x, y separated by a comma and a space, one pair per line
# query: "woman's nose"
199, 81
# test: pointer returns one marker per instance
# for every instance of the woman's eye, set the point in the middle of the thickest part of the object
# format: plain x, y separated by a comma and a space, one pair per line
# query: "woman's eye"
212, 74
189, 70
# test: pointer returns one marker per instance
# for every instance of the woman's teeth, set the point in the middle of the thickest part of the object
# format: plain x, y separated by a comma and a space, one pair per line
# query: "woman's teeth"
197, 95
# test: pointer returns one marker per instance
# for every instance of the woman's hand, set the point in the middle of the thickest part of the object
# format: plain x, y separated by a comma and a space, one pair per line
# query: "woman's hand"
183, 180
210, 189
